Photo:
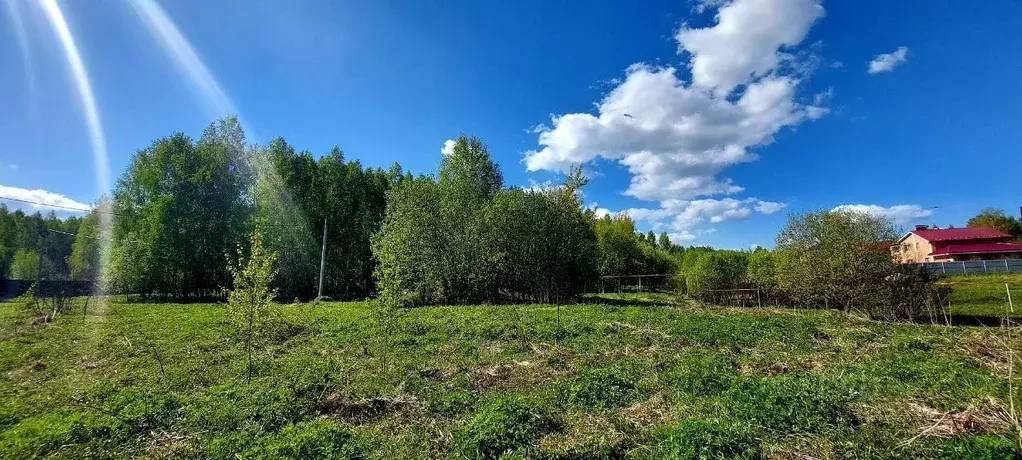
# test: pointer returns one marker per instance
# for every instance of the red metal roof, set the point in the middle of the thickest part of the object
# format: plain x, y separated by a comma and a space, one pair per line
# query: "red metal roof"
958, 234
972, 248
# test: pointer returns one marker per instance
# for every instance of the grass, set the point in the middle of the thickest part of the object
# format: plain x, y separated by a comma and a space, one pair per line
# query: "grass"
984, 295
619, 381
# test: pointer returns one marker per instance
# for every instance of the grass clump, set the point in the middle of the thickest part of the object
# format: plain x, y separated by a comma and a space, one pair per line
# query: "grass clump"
794, 403
703, 372
600, 388
319, 438
506, 424
83, 433
983, 447
704, 440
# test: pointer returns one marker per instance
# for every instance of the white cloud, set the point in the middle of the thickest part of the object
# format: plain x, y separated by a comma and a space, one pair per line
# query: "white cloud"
746, 41
45, 200
448, 148
900, 214
600, 212
686, 216
887, 62
769, 207
677, 237
675, 137
13, 166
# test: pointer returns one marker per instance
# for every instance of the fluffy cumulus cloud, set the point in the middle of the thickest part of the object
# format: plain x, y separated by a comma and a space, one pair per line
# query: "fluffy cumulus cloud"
676, 137
39, 200
688, 216
887, 62
900, 214
747, 41
448, 148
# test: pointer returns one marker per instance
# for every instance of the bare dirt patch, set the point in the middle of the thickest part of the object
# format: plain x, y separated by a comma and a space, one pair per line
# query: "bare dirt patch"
367, 409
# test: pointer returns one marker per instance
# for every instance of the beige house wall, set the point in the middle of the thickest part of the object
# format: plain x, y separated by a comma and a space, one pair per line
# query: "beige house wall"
913, 249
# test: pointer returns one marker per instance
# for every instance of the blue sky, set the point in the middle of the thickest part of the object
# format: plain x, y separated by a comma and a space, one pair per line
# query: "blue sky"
710, 121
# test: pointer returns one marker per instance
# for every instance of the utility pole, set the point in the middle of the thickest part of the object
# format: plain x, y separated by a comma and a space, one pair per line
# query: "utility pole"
322, 261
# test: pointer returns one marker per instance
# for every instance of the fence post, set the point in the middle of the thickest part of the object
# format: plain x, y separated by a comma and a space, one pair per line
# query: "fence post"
984, 266
1006, 270
943, 271
1008, 290
964, 271
759, 303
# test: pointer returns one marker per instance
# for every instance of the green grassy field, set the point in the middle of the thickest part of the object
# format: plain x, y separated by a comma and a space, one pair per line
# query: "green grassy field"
984, 295
168, 381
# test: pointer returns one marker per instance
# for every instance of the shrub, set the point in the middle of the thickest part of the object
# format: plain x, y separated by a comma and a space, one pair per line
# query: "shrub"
504, 425
600, 388
791, 404
704, 439
320, 438
703, 372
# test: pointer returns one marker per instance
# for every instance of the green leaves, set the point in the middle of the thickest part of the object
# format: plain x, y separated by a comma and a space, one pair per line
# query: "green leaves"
464, 239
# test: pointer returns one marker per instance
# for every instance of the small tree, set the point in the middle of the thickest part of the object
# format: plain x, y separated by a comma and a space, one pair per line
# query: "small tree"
996, 219
25, 265
836, 259
248, 306
762, 271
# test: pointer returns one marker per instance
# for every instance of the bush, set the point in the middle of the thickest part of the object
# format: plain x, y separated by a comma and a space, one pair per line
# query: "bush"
600, 388
704, 439
506, 424
320, 438
703, 372
796, 403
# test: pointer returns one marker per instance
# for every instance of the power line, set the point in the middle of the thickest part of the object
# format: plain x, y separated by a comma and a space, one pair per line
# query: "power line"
44, 204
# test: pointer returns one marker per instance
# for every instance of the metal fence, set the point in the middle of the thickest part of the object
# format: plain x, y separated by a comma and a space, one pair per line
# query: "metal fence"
974, 267
13, 288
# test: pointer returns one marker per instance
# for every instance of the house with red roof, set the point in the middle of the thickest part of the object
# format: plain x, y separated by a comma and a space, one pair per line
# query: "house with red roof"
935, 244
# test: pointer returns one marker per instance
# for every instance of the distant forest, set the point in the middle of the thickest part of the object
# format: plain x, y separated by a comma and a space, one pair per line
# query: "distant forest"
185, 206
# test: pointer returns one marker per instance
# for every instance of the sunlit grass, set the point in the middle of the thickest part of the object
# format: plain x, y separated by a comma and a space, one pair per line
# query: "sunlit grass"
166, 380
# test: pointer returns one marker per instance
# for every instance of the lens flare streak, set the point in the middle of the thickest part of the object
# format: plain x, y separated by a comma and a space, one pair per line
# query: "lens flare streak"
96, 137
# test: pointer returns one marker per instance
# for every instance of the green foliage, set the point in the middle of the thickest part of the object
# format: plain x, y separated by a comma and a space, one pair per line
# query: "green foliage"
543, 246
793, 403
36, 234
295, 194
600, 388
762, 269
720, 269
996, 219
249, 305
25, 265
465, 239
85, 251
838, 259
502, 426
469, 172
706, 440
319, 438
182, 206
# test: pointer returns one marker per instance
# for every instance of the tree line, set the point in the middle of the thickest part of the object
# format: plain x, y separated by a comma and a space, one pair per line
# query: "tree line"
184, 208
